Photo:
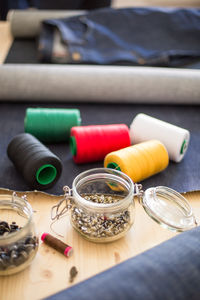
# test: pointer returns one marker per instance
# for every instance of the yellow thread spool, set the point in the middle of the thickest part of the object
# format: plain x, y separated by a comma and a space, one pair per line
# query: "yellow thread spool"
139, 161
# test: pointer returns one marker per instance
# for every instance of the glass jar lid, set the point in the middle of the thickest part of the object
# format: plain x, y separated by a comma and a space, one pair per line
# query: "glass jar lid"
168, 208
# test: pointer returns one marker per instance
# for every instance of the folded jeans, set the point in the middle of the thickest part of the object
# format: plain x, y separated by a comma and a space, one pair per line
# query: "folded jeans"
129, 36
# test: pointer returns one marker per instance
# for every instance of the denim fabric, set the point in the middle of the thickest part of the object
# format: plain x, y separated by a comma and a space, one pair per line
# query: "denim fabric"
133, 36
6, 5
170, 271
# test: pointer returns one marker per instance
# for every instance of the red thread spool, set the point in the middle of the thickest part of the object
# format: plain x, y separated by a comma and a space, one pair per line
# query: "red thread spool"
92, 143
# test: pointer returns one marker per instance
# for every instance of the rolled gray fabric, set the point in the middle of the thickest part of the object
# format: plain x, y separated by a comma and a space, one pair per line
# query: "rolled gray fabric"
26, 23
85, 83
169, 271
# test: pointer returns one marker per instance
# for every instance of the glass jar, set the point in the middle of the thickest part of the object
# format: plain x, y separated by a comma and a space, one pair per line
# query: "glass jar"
101, 204
18, 239
168, 208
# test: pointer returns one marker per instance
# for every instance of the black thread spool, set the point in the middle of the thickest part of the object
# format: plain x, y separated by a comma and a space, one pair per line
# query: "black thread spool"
37, 164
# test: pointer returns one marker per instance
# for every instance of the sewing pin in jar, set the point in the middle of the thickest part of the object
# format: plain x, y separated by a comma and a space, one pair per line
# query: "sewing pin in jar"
101, 205
18, 239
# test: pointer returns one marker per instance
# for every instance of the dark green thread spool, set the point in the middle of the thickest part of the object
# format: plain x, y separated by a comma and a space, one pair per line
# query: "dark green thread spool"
113, 165
46, 174
51, 125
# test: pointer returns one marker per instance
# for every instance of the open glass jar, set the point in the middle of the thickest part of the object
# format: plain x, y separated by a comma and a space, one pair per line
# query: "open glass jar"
18, 239
103, 204
102, 208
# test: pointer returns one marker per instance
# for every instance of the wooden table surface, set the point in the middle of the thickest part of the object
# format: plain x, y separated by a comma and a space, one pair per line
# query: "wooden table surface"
49, 272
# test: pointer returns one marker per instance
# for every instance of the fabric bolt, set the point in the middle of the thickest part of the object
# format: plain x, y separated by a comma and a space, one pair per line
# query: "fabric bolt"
133, 36
25, 24
133, 84
168, 271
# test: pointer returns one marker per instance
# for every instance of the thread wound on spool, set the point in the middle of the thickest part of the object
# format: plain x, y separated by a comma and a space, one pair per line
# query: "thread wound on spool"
139, 161
51, 124
37, 164
92, 143
175, 139
57, 244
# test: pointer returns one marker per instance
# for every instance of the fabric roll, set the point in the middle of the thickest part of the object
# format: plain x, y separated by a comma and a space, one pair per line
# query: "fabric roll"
99, 83
26, 23
168, 271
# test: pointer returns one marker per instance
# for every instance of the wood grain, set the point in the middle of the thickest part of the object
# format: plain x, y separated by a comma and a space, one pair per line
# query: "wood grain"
5, 40
49, 271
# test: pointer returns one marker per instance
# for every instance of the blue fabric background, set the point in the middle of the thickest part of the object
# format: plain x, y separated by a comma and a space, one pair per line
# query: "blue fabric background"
183, 176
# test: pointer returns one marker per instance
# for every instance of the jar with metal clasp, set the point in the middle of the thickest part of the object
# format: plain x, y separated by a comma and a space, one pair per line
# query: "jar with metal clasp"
101, 205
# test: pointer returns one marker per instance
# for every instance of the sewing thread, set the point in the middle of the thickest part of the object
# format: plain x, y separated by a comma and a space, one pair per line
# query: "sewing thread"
57, 244
37, 164
175, 139
139, 161
92, 143
51, 124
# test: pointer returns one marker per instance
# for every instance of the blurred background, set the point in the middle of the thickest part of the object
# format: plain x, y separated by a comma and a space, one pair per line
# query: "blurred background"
6, 5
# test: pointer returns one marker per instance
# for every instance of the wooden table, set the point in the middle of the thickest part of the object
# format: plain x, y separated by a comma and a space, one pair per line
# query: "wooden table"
5, 40
49, 272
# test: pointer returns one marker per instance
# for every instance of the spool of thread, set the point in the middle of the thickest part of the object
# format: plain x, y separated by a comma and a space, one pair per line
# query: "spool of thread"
37, 164
57, 244
51, 124
92, 143
139, 161
175, 139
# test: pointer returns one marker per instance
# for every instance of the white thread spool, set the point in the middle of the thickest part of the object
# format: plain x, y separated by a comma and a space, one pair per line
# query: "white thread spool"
175, 139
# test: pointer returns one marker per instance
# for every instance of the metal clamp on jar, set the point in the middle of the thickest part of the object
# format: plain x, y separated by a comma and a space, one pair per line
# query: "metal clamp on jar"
18, 240
101, 204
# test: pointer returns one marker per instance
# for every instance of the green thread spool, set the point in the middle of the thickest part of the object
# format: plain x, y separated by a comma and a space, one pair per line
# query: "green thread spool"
51, 124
